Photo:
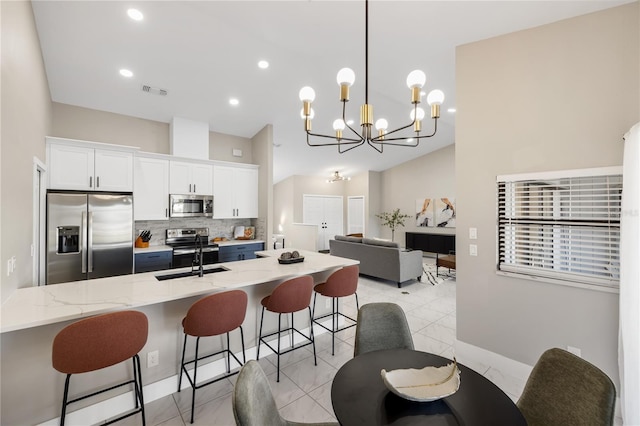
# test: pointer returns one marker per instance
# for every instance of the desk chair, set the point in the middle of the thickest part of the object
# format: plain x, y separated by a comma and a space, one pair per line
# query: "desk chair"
98, 342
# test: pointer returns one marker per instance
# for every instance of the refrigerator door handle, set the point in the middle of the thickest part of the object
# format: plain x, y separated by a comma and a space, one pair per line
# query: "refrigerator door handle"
83, 242
90, 242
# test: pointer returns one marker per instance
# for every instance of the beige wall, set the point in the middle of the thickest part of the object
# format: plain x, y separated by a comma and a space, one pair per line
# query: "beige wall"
262, 147
429, 176
26, 120
555, 97
75, 122
221, 147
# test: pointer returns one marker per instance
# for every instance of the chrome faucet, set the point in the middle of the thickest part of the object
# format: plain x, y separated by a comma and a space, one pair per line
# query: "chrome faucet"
197, 256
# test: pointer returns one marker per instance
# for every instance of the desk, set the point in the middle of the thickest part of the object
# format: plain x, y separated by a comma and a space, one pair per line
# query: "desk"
359, 396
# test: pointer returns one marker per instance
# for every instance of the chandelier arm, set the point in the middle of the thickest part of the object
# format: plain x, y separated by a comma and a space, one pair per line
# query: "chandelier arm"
344, 120
377, 148
349, 140
377, 139
350, 148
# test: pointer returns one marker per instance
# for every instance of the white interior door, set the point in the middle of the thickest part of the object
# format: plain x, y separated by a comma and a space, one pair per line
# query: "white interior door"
333, 218
355, 214
313, 214
324, 211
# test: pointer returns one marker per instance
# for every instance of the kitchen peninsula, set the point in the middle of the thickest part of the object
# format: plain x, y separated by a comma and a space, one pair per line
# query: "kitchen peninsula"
31, 317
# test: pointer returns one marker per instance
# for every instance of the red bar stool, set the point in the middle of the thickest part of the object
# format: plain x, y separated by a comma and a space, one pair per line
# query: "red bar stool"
341, 283
288, 297
98, 342
213, 315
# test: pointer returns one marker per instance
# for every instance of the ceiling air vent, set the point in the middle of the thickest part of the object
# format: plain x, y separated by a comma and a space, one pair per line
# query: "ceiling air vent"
154, 90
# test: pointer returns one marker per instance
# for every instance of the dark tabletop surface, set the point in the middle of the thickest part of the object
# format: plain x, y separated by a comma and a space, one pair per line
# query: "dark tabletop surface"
360, 397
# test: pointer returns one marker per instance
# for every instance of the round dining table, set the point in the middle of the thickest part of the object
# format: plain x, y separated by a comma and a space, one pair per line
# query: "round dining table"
360, 397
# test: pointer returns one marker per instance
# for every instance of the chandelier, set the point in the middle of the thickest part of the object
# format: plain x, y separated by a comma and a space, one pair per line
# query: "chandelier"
337, 178
345, 78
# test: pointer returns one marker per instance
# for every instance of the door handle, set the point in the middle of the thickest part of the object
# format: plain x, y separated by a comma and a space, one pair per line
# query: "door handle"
97, 181
90, 181
189, 187
90, 242
194, 187
83, 242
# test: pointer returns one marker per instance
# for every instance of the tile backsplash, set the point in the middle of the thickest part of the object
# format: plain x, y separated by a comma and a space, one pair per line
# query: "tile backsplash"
217, 227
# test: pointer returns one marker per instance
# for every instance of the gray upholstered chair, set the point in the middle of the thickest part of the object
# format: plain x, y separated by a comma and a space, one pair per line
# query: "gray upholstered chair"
253, 403
564, 389
382, 326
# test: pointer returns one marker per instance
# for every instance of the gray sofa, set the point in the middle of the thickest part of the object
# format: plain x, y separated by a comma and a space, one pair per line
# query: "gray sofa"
379, 258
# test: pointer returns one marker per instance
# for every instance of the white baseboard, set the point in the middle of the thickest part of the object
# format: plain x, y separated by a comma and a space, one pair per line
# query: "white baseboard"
120, 404
477, 358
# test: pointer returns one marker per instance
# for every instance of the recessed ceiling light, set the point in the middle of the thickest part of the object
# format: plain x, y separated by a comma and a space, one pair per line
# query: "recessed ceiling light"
263, 64
234, 101
451, 110
135, 14
126, 73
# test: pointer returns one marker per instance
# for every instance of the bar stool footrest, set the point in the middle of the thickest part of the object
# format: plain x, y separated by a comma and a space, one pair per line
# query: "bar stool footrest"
225, 376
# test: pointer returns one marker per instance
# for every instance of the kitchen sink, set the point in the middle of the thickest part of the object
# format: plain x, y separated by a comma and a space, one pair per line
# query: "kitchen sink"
189, 273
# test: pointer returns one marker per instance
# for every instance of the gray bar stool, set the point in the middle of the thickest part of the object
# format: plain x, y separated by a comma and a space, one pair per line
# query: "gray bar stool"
98, 342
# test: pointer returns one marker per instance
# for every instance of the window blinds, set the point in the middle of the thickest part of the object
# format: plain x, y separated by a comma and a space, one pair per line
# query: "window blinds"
561, 225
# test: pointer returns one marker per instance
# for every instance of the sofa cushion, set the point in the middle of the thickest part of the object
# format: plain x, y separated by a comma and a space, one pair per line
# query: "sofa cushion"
350, 239
376, 242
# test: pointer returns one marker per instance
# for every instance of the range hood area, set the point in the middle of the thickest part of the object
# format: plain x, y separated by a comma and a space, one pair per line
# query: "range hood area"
189, 138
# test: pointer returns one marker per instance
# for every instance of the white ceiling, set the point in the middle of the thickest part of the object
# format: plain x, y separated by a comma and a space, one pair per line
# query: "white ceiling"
205, 52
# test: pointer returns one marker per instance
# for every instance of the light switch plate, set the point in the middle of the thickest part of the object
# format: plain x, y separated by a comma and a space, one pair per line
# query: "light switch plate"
473, 250
473, 233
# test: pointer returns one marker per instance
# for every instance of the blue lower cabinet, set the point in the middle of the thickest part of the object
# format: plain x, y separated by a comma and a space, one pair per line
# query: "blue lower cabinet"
154, 261
234, 252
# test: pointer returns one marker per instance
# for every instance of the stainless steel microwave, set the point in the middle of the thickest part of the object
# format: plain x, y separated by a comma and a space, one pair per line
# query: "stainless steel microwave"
188, 205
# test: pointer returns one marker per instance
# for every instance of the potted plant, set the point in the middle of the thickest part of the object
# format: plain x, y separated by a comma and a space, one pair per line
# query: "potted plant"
393, 220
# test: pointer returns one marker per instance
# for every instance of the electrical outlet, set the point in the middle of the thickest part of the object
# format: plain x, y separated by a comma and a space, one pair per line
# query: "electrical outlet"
574, 350
153, 359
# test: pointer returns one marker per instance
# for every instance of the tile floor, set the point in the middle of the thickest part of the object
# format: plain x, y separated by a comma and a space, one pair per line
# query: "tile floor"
304, 391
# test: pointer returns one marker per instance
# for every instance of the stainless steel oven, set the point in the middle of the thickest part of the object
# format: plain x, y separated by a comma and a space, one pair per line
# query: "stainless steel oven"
184, 205
186, 247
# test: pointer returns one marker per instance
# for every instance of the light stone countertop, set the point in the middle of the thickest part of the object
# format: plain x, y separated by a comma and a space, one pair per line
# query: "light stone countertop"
36, 306
238, 242
152, 249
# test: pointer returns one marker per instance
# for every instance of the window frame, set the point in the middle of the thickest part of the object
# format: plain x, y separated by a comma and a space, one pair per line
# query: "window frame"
556, 275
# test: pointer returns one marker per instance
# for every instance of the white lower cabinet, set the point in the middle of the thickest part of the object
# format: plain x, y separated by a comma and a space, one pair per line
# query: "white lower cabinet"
235, 192
151, 189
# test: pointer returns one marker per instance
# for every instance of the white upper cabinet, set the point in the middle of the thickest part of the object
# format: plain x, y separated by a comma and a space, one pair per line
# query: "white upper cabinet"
87, 168
151, 189
190, 178
235, 192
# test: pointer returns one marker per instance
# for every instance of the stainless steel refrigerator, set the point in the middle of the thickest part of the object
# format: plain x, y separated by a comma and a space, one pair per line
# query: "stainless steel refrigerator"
89, 235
